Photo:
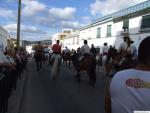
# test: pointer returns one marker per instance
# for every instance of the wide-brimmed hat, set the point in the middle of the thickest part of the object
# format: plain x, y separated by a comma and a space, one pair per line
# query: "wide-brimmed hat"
126, 36
105, 43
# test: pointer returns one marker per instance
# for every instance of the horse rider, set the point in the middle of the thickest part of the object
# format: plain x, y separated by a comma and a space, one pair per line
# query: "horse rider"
105, 49
39, 48
93, 51
125, 49
66, 51
84, 50
72, 52
39, 53
56, 50
104, 55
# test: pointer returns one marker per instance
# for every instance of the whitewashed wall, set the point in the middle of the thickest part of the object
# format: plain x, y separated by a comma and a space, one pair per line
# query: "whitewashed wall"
90, 34
72, 42
115, 40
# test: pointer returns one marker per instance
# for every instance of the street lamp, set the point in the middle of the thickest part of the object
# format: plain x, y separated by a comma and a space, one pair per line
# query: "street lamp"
18, 24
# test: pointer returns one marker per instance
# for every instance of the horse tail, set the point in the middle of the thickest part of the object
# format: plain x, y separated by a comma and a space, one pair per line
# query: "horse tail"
54, 69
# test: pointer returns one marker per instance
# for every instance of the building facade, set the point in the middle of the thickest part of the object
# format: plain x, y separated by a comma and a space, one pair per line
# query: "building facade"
133, 21
61, 36
72, 41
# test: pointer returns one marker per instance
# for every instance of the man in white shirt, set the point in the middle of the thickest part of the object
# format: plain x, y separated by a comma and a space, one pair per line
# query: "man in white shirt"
125, 50
66, 50
130, 89
84, 50
105, 49
104, 56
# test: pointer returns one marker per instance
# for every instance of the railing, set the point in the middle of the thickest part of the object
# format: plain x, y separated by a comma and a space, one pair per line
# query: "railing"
124, 12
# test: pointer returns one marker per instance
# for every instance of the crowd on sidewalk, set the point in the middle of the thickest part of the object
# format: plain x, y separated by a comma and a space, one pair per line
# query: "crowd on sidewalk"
12, 65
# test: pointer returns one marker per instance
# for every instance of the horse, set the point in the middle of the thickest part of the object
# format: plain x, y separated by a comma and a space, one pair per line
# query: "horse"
99, 61
66, 59
56, 62
46, 57
38, 59
114, 62
104, 61
88, 64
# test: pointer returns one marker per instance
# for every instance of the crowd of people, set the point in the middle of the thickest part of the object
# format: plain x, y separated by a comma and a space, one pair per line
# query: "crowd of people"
128, 90
12, 65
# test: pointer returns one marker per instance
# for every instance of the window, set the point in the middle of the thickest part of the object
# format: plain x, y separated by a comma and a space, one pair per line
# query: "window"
98, 32
108, 30
145, 24
126, 25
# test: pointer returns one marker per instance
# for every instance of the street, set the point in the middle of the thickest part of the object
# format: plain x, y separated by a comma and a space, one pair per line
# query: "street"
41, 94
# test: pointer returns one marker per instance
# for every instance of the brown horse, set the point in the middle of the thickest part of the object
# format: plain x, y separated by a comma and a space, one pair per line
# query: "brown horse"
39, 59
88, 64
66, 59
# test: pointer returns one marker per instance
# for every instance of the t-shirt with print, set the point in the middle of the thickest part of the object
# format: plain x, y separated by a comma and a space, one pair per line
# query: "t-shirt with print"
130, 91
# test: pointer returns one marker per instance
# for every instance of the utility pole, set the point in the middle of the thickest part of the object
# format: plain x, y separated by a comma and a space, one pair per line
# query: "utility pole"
18, 24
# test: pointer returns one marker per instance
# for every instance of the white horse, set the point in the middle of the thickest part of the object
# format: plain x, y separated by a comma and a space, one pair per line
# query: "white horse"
104, 59
56, 62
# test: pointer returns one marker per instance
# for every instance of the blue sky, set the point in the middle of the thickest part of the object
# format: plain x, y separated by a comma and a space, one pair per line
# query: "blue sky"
43, 18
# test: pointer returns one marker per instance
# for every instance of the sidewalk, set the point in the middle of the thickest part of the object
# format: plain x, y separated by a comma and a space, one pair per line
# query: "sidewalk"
15, 100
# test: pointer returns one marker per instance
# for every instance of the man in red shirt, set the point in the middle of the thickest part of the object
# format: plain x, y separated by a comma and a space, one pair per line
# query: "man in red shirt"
56, 48
56, 52
56, 60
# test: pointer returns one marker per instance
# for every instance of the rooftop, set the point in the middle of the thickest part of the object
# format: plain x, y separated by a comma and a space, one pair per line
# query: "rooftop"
130, 10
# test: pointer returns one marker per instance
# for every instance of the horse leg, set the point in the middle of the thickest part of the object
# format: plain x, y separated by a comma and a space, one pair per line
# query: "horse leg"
92, 76
66, 64
69, 63
40, 64
78, 77
37, 63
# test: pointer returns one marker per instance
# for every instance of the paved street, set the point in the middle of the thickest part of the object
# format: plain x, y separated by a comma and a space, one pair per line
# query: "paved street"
43, 95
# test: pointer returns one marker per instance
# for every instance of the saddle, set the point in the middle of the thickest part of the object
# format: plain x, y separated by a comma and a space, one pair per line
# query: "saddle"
81, 58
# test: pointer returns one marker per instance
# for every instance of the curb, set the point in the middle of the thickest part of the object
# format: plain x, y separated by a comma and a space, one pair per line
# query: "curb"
16, 99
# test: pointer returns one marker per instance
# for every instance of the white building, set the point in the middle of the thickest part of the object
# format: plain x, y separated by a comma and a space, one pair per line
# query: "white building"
54, 38
72, 41
60, 36
134, 21
3, 38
